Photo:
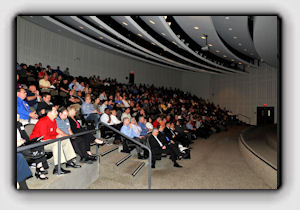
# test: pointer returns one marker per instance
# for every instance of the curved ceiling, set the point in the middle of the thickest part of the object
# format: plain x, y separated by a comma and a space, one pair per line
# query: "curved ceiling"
174, 42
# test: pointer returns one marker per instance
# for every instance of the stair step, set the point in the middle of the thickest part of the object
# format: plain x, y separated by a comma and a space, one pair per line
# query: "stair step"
126, 157
133, 168
106, 149
137, 170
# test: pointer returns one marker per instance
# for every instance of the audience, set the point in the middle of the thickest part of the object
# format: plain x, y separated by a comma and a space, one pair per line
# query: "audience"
167, 117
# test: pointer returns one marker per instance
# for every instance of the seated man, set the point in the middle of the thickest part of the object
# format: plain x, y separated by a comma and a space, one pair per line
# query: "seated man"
44, 104
33, 97
23, 108
47, 128
142, 124
45, 84
126, 114
158, 145
128, 131
169, 131
89, 112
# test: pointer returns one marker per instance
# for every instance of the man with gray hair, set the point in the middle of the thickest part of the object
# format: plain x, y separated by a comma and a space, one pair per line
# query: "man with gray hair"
158, 146
128, 131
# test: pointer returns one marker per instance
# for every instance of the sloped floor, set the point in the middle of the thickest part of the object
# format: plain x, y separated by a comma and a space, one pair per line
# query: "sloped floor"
216, 164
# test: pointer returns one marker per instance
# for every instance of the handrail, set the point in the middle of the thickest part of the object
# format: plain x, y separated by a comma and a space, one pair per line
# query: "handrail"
138, 143
22, 148
251, 150
246, 117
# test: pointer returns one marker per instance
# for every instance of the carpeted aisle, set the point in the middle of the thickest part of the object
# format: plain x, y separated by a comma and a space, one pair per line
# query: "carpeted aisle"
216, 164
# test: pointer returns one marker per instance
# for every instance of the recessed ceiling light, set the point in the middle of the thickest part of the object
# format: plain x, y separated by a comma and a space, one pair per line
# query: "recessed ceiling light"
31, 16
196, 27
151, 21
240, 44
203, 37
169, 23
165, 49
165, 17
140, 35
240, 63
225, 56
163, 34
80, 27
235, 37
174, 42
210, 45
227, 18
124, 23
100, 26
217, 51
118, 45
229, 29
100, 37
232, 59
153, 43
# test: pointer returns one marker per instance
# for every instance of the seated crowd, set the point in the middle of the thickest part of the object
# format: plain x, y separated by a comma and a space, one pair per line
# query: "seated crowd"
168, 120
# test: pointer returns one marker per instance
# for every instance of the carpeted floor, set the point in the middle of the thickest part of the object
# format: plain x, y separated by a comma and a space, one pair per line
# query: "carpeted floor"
216, 164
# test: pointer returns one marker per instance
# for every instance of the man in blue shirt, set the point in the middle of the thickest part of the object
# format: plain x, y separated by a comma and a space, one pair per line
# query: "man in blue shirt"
128, 131
89, 112
142, 124
23, 109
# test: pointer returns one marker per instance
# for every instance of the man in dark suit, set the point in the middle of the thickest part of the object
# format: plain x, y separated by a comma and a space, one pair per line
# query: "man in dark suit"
159, 145
175, 136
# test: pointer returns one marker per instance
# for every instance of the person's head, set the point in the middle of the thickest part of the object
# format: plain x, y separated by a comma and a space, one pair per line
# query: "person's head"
155, 132
133, 121
97, 100
62, 113
59, 78
74, 80
46, 77
168, 125
172, 125
32, 88
51, 112
82, 84
21, 93
107, 111
127, 111
65, 81
141, 119
72, 110
87, 98
46, 97
126, 121
114, 112
105, 102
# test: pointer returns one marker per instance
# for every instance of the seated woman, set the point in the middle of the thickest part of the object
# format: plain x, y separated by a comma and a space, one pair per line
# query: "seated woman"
83, 140
41, 162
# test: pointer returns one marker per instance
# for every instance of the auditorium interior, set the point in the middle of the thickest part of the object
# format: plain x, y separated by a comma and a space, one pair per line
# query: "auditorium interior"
148, 102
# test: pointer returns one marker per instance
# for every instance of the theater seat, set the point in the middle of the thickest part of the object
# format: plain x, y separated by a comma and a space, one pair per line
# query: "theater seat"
29, 128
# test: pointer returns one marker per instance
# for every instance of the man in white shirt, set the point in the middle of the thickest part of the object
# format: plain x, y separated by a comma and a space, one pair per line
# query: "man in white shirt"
103, 96
105, 117
126, 114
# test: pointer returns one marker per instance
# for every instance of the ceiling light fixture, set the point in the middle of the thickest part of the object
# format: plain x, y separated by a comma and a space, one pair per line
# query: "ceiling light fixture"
100, 37
140, 35
232, 59
196, 28
217, 51
153, 43
169, 23
225, 56
174, 42
151, 21
80, 27
163, 34
245, 49
240, 44
229, 29
210, 45
165, 17
240, 63
227, 18
235, 37
124, 23
203, 37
